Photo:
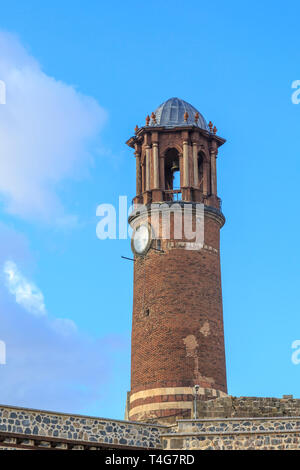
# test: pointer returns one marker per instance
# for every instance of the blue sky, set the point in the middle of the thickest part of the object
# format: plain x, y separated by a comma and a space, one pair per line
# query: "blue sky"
80, 76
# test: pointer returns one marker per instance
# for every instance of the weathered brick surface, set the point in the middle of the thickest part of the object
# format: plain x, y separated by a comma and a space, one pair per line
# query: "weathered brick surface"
177, 327
177, 330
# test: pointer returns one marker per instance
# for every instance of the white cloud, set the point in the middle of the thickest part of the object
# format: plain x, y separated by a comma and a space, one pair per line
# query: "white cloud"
31, 298
50, 363
46, 129
47, 369
26, 293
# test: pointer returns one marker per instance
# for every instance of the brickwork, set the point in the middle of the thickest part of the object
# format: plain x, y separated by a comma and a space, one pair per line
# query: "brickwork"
167, 404
165, 342
165, 139
177, 327
177, 333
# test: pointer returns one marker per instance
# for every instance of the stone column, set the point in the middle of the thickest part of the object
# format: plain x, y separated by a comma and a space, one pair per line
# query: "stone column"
213, 159
138, 173
147, 168
155, 165
162, 172
186, 179
205, 177
195, 161
143, 176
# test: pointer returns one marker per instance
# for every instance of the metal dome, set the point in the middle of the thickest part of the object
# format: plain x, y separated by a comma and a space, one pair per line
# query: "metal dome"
171, 114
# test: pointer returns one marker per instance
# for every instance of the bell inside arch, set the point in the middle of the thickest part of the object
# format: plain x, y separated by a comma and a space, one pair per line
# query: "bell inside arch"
175, 166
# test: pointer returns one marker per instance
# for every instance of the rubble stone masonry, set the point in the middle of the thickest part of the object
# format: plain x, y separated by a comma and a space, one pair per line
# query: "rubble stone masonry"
224, 423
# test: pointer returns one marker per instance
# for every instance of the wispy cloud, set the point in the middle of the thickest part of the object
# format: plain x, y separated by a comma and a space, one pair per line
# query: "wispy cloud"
46, 131
26, 293
50, 362
31, 298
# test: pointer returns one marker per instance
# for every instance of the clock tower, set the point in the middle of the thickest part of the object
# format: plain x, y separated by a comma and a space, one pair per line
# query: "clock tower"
178, 352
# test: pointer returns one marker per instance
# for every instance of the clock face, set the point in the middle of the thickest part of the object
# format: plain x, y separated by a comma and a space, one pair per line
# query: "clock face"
141, 239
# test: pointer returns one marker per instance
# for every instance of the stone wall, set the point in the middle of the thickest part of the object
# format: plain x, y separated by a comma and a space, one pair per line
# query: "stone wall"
225, 423
234, 434
62, 429
236, 423
225, 407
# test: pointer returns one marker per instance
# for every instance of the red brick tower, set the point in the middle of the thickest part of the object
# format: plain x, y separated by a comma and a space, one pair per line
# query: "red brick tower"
177, 329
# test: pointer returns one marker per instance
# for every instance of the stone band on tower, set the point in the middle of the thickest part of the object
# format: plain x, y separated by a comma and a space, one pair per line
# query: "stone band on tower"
177, 326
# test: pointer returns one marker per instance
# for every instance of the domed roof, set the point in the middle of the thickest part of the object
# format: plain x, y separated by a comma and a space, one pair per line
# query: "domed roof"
171, 114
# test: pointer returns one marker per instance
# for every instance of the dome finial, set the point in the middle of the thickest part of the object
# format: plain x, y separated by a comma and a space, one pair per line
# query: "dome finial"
147, 120
186, 116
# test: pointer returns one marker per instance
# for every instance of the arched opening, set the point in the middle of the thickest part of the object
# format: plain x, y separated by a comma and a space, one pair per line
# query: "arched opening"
172, 175
176, 179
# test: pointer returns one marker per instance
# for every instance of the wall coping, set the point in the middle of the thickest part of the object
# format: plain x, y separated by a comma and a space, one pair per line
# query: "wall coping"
241, 418
229, 433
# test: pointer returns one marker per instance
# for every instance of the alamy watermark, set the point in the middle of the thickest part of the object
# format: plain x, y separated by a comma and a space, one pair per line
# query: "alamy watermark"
172, 220
2, 92
296, 354
296, 94
2, 353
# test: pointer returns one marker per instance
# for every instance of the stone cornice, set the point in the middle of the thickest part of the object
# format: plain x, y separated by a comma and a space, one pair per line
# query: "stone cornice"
161, 129
209, 211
